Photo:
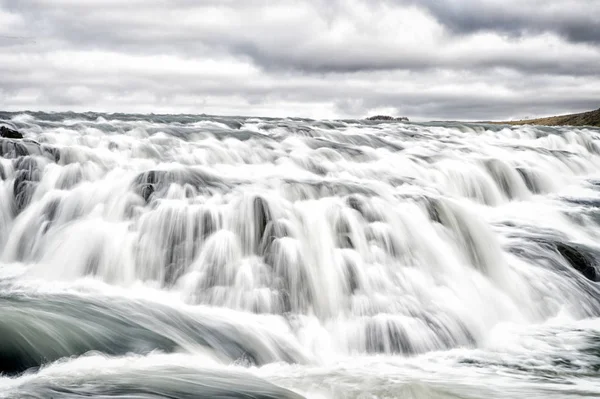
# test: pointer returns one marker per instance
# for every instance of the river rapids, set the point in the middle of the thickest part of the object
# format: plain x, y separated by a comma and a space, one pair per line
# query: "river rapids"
181, 256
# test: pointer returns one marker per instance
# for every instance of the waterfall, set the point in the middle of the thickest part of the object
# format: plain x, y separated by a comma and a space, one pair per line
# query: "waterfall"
282, 243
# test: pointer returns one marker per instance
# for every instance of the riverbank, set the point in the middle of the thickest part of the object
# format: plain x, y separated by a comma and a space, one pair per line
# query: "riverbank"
591, 118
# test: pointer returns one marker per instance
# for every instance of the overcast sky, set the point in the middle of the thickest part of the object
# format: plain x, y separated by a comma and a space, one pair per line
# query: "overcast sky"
428, 59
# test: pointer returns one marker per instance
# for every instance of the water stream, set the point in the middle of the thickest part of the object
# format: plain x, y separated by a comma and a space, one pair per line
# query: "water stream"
151, 256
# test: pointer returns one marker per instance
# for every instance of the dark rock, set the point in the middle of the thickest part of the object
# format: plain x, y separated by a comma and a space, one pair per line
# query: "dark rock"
579, 259
27, 177
9, 133
11, 149
146, 182
387, 118
262, 217
380, 118
51, 153
114, 327
433, 207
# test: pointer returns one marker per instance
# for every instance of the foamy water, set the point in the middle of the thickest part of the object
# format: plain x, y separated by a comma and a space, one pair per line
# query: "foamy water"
191, 256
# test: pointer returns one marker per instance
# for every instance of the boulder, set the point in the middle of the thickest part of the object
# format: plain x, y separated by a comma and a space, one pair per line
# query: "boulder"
9, 133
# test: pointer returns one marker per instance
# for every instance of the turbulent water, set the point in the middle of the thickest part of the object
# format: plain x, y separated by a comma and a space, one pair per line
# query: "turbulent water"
155, 256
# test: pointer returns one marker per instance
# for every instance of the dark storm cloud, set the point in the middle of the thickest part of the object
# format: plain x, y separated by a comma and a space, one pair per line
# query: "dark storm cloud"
576, 21
431, 59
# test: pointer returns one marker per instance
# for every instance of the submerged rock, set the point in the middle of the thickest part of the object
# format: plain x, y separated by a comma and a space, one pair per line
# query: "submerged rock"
116, 327
144, 379
9, 133
16, 148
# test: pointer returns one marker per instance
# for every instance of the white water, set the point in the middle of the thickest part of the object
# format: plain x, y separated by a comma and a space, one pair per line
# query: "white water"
337, 259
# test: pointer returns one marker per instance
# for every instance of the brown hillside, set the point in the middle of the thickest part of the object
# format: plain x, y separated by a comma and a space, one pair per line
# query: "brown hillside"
591, 118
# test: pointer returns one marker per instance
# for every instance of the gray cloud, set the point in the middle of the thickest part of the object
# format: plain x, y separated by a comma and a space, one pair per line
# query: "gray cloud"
575, 21
427, 59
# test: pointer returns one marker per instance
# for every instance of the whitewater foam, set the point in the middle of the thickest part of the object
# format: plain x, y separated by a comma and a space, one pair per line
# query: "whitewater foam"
314, 244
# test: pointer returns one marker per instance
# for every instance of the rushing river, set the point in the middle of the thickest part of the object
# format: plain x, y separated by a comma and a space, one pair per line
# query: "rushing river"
154, 256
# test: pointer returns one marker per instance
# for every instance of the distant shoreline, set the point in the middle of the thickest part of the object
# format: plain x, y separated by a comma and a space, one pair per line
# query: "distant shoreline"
591, 118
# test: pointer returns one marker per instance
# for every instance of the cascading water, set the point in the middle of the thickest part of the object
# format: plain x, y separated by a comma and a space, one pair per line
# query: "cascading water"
146, 256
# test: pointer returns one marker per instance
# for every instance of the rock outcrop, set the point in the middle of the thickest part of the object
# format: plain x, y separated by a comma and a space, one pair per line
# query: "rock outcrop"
9, 133
387, 118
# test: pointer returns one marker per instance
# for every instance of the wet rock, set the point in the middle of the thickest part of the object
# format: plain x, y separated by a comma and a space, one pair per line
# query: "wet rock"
27, 178
51, 153
579, 259
432, 205
262, 217
387, 118
146, 183
117, 327
190, 383
10, 133
12, 149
